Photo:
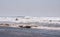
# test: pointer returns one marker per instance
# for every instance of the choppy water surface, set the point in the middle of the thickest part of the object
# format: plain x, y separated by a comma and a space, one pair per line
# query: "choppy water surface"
26, 32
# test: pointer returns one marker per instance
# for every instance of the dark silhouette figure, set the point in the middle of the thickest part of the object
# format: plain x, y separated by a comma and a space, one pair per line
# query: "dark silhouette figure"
25, 26
16, 19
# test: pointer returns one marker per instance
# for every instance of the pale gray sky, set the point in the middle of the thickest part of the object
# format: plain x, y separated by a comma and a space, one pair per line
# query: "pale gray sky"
42, 8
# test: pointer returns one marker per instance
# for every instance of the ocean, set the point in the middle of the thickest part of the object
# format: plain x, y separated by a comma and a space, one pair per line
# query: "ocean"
27, 32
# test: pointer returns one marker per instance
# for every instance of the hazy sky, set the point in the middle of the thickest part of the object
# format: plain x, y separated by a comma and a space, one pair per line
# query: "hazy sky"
42, 8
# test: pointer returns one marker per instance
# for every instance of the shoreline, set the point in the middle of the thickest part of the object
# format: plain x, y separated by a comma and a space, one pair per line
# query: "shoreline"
30, 26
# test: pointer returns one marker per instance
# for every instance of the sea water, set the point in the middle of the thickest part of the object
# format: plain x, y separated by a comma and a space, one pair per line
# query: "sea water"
27, 32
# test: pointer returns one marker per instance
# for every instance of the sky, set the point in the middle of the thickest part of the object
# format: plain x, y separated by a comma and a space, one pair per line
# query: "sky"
41, 8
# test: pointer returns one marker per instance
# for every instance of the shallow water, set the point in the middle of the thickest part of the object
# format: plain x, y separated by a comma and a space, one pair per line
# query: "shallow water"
26, 32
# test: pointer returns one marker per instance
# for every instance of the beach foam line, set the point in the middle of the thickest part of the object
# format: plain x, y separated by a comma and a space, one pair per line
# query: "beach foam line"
33, 27
48, 28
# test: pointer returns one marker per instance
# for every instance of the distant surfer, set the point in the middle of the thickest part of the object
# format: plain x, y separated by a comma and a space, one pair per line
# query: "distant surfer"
16, 19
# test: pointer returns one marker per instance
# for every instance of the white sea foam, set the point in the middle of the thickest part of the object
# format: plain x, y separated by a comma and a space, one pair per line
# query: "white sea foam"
27, 19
